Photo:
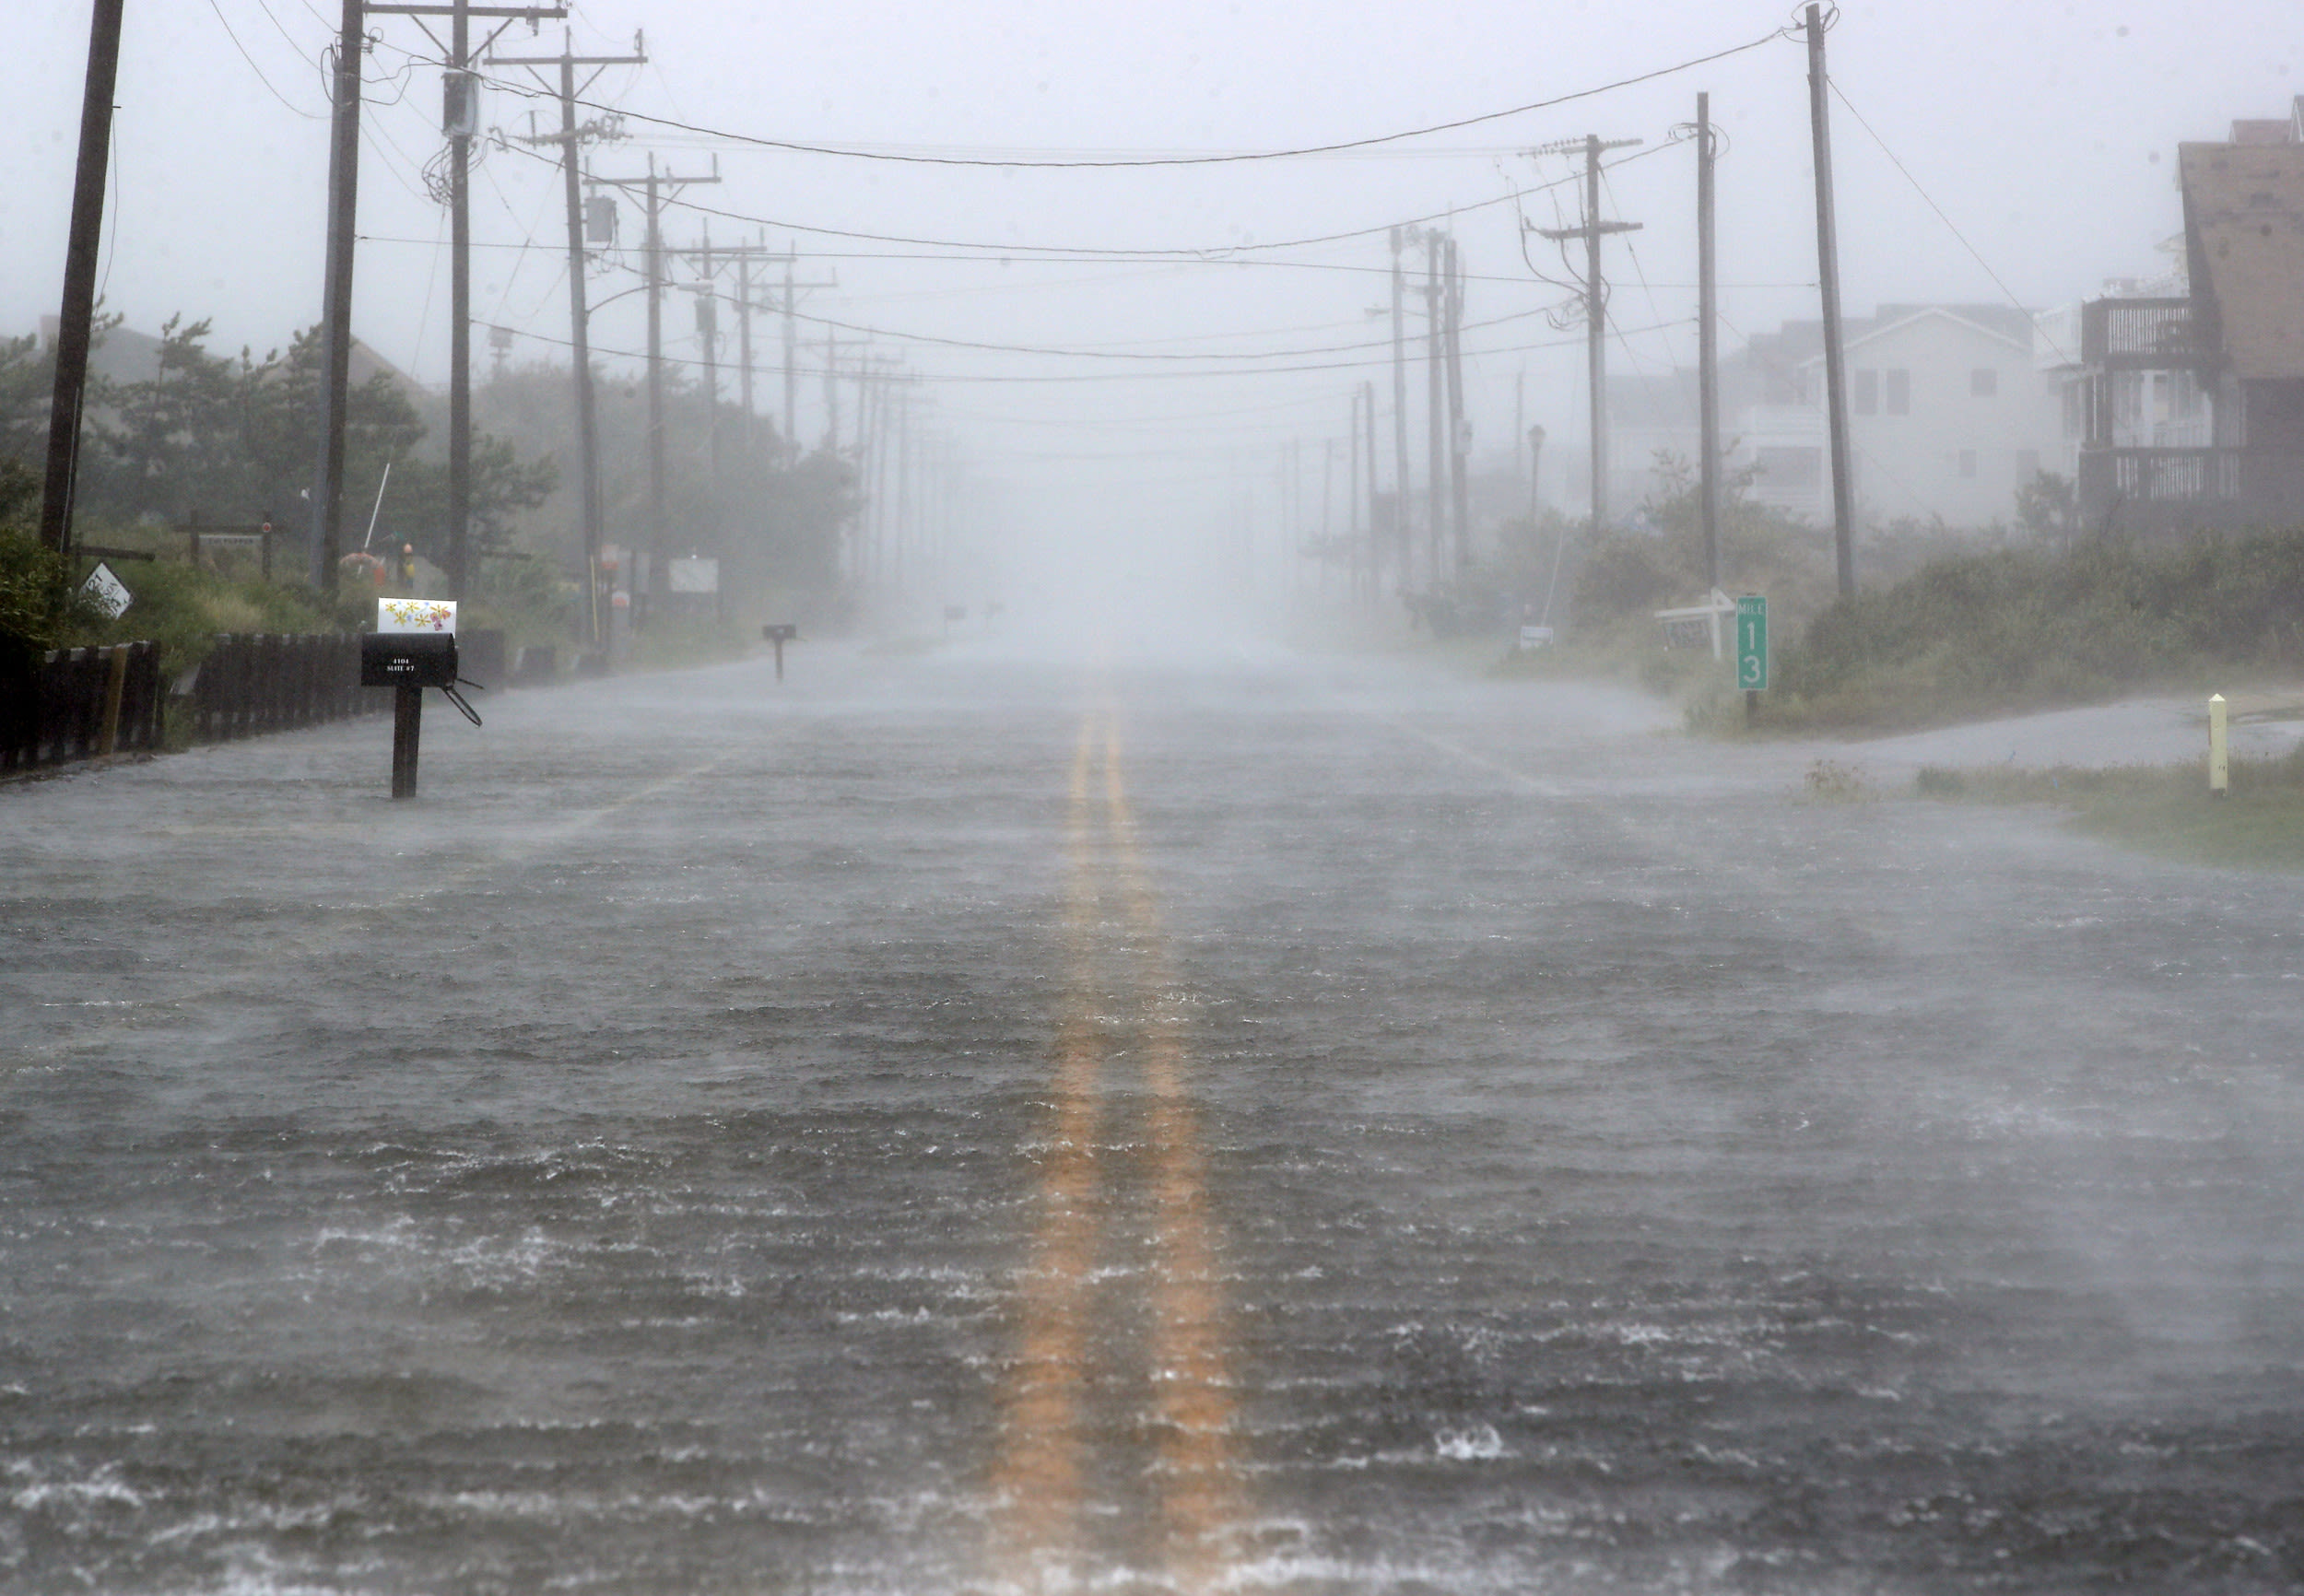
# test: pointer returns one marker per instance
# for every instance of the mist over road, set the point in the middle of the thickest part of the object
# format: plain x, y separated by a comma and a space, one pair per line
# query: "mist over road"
978, 1124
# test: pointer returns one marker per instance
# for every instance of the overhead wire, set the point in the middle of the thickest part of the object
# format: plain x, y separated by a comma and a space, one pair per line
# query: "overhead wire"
1974, 252
269, 88
1220, 158
997, 249
958, 377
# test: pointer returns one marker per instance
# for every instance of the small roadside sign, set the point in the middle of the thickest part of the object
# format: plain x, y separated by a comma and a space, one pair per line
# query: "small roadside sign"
1752, 642
107, 592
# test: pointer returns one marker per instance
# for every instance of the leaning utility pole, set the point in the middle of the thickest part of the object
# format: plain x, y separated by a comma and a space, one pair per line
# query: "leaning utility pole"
460, 121
75, 317
1707, 341
569, 138
1828, 252
336, 334
1459, 426
1595, 306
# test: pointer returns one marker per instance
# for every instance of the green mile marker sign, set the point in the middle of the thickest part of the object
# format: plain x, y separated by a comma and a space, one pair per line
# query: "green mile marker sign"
1752, 642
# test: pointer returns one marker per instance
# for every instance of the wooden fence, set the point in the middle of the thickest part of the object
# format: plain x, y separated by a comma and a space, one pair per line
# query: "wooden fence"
79, 702
257, 682
250, 684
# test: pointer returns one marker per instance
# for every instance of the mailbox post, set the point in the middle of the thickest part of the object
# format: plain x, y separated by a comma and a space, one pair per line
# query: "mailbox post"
779, 633
413, 648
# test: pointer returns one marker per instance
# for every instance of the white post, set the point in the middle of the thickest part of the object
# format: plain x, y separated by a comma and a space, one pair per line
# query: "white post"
2219, 772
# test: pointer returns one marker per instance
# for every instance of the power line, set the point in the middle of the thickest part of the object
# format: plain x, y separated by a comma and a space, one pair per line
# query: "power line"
794, 147
1083, 354
1976, 254
961, 377
307, 115
1163, 264
1217, 252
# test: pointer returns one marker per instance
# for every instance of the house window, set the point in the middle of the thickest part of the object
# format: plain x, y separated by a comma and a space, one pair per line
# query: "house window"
1983, 382
1967, 463
1868, 393
1900, 393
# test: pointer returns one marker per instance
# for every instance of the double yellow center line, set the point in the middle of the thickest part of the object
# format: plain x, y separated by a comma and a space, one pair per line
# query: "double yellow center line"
1122, 1003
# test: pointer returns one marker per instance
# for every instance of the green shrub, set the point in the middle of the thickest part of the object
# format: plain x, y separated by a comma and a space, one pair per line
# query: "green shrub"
2008, 629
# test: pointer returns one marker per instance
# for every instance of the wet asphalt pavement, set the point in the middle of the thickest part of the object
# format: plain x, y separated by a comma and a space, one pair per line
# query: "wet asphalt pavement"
972, 1123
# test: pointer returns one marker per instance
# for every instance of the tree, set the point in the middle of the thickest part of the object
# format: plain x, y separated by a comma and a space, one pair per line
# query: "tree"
167, 445
2048, 506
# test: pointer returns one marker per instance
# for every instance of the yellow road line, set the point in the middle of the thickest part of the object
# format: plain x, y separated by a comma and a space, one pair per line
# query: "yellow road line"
1200, 1476
1038, 1478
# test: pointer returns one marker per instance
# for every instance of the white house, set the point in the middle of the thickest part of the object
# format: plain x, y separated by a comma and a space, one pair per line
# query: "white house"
1948, 415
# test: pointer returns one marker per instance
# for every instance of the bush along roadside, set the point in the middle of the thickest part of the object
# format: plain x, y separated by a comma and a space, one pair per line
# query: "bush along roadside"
2011, 632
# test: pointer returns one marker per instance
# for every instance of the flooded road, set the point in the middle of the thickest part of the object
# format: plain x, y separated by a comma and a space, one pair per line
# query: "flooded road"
965, 1125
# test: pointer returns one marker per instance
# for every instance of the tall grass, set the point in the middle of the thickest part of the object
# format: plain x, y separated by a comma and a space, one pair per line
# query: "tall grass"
2011, 631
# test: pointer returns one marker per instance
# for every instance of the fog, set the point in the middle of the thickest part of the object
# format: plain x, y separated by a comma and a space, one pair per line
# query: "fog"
1122, 1071
2044, 133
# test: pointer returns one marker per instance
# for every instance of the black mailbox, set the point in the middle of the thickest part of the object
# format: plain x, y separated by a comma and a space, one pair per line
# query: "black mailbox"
781, 632
408, 660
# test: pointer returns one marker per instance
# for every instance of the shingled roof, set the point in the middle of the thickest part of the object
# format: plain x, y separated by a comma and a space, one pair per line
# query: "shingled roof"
2244, 237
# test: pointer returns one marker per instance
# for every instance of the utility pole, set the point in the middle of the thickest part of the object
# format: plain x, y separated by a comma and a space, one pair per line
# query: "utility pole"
570, 139
653, 186
1707, 341
792, 352
831, 389
460, 113
1352, 500
76, 317
1459, 425
1535, 469
1402, 536
1328, 503
459, 121
901, 510
743, 256
707, 334
1596, 305
1520, 426
1828, 252
744, 343
336, 335
1375, 539
1435, 406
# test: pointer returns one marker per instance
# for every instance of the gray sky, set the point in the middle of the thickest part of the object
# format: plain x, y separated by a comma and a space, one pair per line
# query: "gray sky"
2046, 132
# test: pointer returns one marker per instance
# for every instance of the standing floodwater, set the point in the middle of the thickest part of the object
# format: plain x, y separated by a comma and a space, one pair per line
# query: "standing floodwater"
954, 1124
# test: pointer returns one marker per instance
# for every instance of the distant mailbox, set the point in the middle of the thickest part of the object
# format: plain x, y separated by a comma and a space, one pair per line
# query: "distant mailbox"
779, 633
408, 660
